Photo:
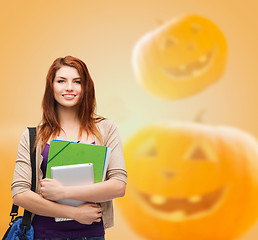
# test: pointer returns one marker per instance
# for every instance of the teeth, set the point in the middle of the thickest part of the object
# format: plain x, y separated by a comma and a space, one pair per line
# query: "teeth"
182, 67
69, 95
158, 200
195, 199
196, 73
178, 216
203, 58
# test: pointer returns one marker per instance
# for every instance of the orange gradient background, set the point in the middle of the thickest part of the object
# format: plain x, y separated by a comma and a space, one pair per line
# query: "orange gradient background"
103, 34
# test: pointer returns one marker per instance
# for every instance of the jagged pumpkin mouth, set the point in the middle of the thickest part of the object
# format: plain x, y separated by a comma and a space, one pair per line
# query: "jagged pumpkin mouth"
192, 69
180, 209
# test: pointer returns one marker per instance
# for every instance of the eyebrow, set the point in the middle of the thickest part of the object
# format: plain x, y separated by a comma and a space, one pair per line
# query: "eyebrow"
66, 78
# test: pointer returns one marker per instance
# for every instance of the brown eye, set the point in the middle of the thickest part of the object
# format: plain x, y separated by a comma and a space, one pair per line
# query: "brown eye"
195, 28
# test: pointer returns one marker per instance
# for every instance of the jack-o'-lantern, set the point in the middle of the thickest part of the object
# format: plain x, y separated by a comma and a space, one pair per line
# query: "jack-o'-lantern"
191, 181
8, 150
180, 58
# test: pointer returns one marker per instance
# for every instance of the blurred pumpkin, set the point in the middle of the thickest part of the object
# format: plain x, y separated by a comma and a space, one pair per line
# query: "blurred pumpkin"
9, 139
190, 181
180, 58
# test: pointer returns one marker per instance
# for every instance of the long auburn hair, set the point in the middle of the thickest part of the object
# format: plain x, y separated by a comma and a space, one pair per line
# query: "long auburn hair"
50, 125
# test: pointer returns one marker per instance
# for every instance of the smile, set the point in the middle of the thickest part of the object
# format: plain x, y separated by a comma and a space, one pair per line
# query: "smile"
69, 96
181, 209
192, 69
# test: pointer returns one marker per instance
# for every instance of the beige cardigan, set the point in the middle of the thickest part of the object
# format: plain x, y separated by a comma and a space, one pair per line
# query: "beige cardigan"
116, 167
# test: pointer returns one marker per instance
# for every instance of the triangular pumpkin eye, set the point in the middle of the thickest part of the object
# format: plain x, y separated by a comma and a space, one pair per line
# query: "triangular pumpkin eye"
198, 153
167, 173
147, 149
201, 152
170, 42
195, 28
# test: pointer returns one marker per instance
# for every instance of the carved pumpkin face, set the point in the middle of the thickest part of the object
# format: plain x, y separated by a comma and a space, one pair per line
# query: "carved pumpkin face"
190, 180
8, 150
181, 57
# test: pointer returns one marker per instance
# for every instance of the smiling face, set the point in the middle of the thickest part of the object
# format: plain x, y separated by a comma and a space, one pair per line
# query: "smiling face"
185, 177
170, 158
67, 87
181, 57
191, 205
180, 209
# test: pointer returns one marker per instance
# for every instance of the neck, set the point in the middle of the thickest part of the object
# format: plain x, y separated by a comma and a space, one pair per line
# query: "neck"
68, 117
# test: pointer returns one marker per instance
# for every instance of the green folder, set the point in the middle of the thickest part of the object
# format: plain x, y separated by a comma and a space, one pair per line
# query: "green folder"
63, 153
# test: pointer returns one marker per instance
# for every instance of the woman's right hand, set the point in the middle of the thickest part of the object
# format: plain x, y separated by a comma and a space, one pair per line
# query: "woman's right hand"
88, 213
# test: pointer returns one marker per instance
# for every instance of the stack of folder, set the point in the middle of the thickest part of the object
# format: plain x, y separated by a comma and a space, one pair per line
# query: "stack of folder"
62, 153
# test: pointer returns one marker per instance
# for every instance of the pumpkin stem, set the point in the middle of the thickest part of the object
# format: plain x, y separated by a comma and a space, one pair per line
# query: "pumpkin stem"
199, 116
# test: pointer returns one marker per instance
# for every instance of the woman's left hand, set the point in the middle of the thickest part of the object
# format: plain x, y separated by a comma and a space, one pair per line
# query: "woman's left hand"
51, 189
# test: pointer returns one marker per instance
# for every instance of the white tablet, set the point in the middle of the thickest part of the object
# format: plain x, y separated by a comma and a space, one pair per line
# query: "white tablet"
73, 175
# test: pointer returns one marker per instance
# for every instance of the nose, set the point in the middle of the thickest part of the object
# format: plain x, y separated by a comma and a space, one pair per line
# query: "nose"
69, 86
167, 173
191, 46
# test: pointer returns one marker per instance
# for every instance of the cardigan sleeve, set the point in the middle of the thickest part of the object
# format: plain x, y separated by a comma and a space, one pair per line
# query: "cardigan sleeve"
22, 172
116, 167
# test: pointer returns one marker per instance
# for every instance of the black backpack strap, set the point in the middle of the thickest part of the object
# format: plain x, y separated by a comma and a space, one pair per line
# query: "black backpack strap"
26, 220
14, 213
33, 134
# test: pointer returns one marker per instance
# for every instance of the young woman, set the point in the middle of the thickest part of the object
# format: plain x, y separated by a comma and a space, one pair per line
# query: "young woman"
68, 112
